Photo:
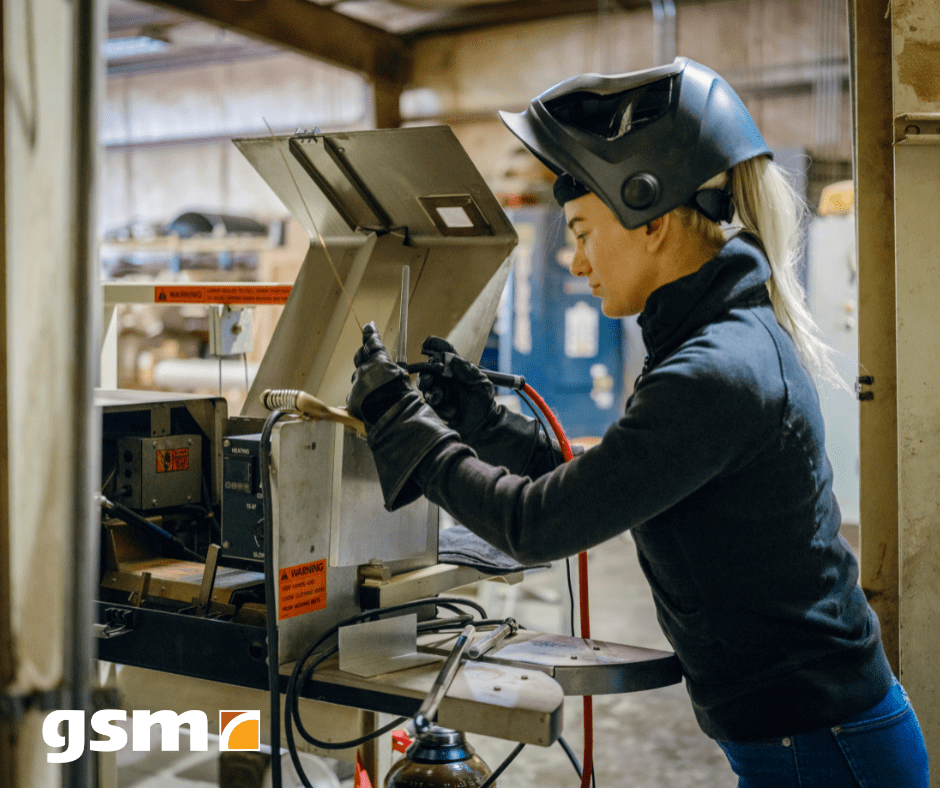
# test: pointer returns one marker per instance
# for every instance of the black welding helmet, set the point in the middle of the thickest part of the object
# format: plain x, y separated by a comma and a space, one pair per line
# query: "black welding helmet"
642, 142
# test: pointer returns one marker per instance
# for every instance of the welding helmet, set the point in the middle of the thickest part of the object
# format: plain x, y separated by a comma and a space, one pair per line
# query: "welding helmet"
642, 142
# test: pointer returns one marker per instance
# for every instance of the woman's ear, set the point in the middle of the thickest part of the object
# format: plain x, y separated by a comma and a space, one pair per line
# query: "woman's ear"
656, 232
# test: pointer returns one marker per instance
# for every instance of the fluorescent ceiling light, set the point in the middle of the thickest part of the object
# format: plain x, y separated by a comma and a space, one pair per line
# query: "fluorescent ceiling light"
132, 46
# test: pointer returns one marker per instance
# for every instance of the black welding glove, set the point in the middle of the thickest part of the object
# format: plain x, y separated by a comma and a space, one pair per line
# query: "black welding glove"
401, 429
462, 396
466, 400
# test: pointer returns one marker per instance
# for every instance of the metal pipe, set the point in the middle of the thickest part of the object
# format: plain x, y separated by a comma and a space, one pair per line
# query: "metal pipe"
669, 32
428, 711
80, 651
403, 315
659, 23
664, 31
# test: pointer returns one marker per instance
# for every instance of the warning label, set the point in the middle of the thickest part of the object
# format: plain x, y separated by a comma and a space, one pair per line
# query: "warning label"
301, 589
172, 460
222, 294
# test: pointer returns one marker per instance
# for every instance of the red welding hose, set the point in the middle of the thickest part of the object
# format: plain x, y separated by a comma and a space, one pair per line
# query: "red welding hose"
588, 765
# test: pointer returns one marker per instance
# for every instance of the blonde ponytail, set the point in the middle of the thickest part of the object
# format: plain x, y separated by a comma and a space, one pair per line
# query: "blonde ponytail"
768, 207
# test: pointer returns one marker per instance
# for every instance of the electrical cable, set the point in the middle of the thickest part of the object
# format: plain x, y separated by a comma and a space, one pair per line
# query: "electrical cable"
570, 595
570, 753
540, 424
301, 674
502, 767
539, 428
274, 679
130, 516
588, 768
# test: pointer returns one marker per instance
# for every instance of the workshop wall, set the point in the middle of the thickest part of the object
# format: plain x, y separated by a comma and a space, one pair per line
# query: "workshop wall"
768, 49
167, 135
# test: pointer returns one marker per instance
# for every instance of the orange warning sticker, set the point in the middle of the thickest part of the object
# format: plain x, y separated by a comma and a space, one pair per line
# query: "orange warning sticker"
172, 460
222, 294
301, 589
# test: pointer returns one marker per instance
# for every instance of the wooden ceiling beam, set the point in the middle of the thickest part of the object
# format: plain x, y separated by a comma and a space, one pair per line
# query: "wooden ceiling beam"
310, 29
508, 13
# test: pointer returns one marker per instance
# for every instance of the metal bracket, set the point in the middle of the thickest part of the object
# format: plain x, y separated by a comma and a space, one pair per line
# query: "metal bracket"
203, 602
864, 380
137, 598
917, 128
13, 706
120, 622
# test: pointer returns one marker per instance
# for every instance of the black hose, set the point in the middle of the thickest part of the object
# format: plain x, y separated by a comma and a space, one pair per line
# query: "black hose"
130, 516
502, 767
302, 672
274, 678
571, 756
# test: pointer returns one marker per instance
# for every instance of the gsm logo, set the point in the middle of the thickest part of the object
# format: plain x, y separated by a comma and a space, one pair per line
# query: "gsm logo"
240, 730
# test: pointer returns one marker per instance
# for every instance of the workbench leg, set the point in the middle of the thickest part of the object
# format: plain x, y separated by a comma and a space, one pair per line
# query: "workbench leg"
377, 754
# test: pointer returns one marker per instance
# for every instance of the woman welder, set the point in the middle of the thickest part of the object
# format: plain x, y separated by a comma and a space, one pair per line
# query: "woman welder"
718, 465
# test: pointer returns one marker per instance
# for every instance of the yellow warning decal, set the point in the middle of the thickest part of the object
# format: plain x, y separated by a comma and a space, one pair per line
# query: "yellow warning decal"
301, 589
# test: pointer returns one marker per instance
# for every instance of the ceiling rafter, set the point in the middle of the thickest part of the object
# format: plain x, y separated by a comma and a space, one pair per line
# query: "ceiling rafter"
310, 29
475, 17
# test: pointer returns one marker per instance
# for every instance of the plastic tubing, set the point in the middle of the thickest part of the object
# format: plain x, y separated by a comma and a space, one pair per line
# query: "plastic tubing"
566, 452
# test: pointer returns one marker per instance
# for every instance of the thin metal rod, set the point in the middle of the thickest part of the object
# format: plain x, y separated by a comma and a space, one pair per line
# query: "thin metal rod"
428, 711
83, 553
403, 315
493, 639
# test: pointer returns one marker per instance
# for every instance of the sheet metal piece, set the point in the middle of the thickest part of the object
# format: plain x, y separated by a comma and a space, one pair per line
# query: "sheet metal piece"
585, 667
384, 646
381, 199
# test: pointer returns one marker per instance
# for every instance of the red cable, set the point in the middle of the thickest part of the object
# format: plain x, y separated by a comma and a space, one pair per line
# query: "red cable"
588, 765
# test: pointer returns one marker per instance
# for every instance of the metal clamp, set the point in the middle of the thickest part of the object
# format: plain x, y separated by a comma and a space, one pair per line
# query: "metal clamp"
508, 628
864, 380
120, 622
917, 128
13, 706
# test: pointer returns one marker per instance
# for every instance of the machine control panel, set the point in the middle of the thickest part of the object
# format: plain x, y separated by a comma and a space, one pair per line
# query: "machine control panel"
242, 502
160, 472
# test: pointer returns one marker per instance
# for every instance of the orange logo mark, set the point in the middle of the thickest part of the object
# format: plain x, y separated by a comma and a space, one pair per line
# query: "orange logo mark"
240, 730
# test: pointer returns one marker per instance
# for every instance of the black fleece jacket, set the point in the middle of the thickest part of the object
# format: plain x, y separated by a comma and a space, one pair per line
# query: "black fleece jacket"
719, 469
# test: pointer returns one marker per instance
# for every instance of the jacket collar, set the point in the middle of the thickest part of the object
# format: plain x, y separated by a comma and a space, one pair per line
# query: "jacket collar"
734, 277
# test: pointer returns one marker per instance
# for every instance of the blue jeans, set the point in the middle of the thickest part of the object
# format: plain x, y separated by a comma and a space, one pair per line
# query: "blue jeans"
880, 748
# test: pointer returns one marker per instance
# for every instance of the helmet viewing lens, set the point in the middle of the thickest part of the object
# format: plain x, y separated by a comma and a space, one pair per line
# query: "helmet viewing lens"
614, 116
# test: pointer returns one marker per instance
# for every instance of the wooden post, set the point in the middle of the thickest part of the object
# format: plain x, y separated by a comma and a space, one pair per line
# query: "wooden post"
874, 212
385, 98
916, 127
7, 666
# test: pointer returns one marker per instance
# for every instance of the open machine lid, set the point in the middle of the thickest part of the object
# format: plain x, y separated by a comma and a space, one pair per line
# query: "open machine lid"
379, 200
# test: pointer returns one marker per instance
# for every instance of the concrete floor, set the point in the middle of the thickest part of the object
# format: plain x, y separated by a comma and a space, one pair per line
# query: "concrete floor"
644, 740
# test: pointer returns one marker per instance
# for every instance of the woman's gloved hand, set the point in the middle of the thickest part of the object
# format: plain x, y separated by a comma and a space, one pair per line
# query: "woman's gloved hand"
466, 400
401, 429
463, 396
